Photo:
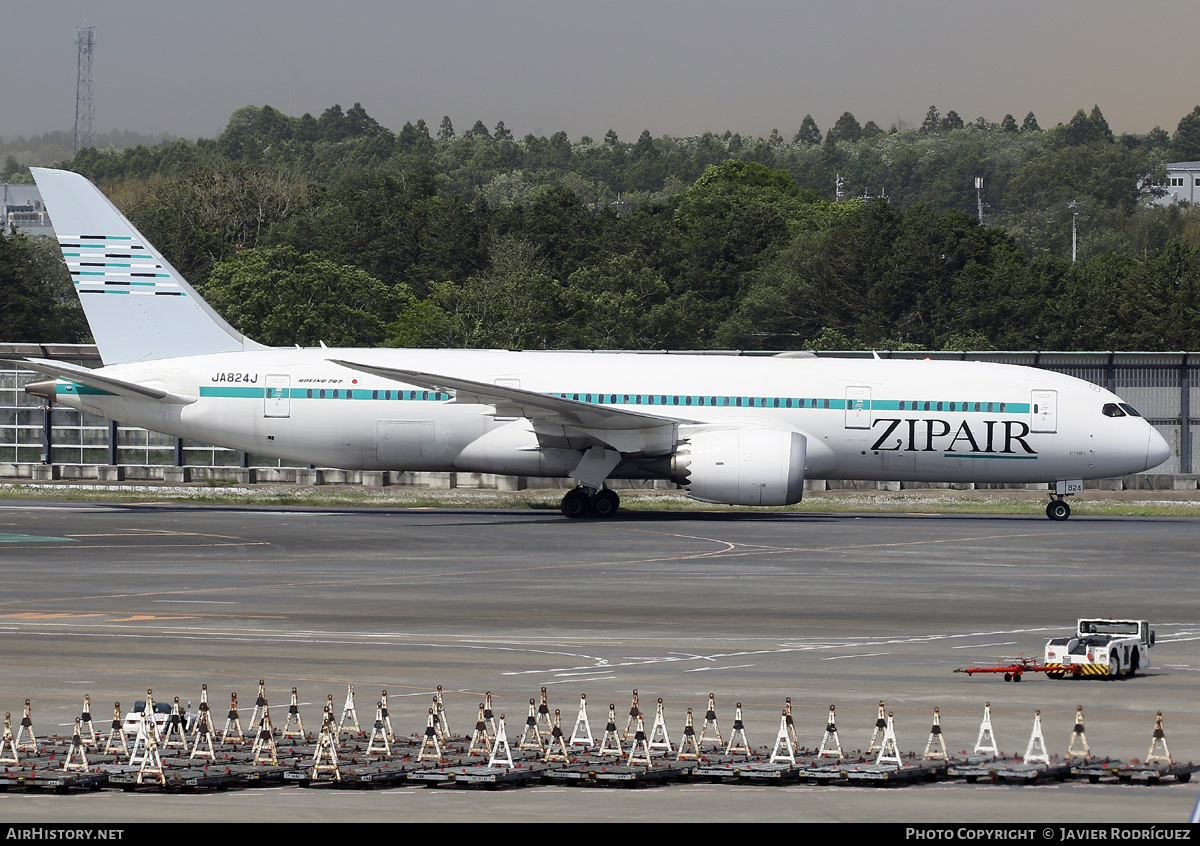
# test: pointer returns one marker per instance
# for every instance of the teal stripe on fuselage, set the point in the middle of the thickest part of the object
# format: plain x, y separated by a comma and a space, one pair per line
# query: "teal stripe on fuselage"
251, 393
673, 401
82, 390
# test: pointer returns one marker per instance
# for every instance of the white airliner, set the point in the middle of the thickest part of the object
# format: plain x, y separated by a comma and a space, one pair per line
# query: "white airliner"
742, 430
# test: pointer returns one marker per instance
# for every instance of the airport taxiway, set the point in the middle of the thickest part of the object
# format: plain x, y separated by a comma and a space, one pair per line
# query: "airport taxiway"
109, 599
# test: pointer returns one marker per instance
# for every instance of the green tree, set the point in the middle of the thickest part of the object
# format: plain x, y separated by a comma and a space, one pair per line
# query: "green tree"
932, 122
808, 132
846, 128
515, 304
728, 222
1084, 129
37, 302
202, 214
951, 122
280, 297
1185, 143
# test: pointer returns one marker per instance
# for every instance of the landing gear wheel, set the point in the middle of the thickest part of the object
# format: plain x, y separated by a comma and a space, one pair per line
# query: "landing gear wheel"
1058, 510
576, 503
605, 503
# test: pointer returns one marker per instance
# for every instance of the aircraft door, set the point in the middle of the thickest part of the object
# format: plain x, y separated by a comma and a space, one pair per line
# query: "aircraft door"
1043, 411
277, 398
858, 407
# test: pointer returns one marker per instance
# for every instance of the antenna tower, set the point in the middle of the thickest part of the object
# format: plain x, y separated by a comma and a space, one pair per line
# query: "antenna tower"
85, 131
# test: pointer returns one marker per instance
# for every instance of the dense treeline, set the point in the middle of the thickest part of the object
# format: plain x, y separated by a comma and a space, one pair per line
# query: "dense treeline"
37, 304
334, 228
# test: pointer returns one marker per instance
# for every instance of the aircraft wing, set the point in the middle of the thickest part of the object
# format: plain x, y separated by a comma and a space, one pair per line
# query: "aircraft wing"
98, 381
556, 419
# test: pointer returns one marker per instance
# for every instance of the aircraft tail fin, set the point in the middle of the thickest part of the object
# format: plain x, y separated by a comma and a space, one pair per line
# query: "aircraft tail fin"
139, 308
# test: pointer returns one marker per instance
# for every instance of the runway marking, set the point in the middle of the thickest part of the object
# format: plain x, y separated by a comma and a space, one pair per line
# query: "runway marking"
196, 601
862, 655
73, 509
984, 645
712, 669
731, 549
169, 546
116, 616
33, 539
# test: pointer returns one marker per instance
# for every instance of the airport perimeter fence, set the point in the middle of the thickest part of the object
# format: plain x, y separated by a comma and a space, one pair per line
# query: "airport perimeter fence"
75, 444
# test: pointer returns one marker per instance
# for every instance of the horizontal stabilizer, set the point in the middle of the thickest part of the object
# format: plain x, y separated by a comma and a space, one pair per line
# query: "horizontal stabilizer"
75, 376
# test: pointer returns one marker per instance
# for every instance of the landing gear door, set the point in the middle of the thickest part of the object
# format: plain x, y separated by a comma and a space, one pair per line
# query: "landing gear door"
858, 407
1043, 411
277, 397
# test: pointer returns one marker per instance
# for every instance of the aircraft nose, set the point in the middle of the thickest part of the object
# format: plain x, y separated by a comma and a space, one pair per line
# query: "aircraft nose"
1157, 449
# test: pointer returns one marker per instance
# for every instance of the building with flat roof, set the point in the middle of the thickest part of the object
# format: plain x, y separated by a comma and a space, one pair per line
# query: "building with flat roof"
1182, 185
21, 206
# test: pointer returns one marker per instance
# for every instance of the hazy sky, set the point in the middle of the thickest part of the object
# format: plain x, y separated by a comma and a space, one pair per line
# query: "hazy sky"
674, 67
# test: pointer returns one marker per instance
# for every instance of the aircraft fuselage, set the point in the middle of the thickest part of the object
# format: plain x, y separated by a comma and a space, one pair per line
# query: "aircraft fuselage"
902, 420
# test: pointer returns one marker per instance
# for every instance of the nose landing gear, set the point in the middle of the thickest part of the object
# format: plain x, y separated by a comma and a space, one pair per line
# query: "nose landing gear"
1059, 491
582, 501
1057, 509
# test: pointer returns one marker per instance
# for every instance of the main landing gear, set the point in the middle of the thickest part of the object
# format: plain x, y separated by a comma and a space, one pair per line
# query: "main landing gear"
582, 501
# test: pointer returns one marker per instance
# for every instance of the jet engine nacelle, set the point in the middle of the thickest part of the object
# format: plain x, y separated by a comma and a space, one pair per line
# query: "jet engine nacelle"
743, 464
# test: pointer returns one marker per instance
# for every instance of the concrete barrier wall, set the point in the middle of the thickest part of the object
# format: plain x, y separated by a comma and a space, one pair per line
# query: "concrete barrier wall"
212, 476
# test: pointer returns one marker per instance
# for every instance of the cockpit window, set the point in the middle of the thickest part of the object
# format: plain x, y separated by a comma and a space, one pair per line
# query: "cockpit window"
1112, 409
1129, 409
